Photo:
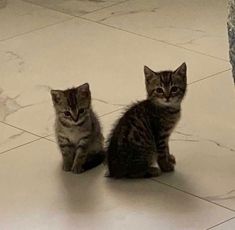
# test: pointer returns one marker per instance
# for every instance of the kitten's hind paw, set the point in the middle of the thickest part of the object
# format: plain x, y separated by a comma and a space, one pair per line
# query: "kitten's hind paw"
166, 166
66, 167
172, 159
77, 169
153, 172
107, 174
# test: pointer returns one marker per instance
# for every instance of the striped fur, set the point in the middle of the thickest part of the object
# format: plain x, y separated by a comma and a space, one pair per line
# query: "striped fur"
77, 129
140, 137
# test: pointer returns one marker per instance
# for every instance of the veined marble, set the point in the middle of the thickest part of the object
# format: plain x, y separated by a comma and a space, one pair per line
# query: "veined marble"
12, 137
75, 7
195, 25
42, 48
73, 200
18, 17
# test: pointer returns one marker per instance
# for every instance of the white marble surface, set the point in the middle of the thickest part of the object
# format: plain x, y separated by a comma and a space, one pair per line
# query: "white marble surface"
18, 17
83, 55
197, 25
12, 137
47, 198
43, 48
226, 226
75, 7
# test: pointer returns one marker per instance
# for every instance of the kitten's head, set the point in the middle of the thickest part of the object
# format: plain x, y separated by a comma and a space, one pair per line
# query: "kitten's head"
166, 88
72, 105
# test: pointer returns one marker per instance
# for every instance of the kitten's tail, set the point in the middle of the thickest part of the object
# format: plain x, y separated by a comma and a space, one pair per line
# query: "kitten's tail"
94, 160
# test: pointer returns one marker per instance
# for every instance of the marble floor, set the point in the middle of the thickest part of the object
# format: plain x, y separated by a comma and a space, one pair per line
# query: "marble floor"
48, 44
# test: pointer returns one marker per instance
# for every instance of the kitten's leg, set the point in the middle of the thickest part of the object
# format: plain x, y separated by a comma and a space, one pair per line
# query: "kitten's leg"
80, 156
165, 160
68, 156
79, 160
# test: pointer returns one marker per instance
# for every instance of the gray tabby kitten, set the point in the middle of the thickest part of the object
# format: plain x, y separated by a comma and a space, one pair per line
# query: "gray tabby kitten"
77, 129
140, 138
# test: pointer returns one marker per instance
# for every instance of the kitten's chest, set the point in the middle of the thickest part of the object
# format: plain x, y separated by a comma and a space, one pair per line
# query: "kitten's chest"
165, 123
74, 134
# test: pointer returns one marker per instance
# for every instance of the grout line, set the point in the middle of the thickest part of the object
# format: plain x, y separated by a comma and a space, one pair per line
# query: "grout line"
82, 14
105, 114
221, 223
39, 28
191, 194
21, 129
26, 143
8, 150
209, 76
93, 11
120, 29
153, 39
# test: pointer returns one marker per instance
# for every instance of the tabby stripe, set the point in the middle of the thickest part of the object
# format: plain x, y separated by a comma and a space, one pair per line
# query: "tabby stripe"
82, 122
64, 123
66, 145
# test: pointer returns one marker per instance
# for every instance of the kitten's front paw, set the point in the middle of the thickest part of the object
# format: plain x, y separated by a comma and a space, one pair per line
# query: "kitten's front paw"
77, 169
172, 159
66, 167
166, 166
153, 172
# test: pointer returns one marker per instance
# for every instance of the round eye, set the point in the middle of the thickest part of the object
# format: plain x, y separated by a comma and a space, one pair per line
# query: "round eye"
67, 113
174, 89
159, 90
80, 111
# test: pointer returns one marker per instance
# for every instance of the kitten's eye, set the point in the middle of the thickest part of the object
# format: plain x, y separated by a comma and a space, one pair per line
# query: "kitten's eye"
159, 90
174, 89
81, 111
67, 114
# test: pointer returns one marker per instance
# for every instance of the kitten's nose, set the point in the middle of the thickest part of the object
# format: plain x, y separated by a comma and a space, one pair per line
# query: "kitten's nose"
167, 98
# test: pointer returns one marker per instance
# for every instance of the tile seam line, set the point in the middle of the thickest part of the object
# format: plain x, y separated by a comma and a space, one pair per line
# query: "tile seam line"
114, 27
36, 29
26, 131
27, 143
194, 195
153, 39
221, 223
210, 76
60, 11
119, 109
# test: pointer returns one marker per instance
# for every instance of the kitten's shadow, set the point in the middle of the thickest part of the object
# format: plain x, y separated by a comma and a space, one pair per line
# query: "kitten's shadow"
80, 190
150, 196
91, 192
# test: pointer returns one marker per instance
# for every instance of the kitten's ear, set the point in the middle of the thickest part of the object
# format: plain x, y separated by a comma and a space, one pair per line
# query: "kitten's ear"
84, 90
56, 96
182, 70
149, 74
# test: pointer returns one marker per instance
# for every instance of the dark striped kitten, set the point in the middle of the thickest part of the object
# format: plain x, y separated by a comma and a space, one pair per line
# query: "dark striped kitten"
77, 129
140, 138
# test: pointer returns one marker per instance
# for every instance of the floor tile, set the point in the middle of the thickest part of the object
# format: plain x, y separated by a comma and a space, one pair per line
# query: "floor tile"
76, 52
72, 201
75, 7
204, 169
39, 118
226, 226
12, 137
209, 110
196, 25
18, 17
203, 142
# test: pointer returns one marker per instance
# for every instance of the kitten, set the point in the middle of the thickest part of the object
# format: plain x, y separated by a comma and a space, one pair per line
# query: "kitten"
140, 137
77, 129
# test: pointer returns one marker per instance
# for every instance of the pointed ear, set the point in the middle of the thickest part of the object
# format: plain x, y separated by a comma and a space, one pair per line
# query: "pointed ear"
149, 74
56, 96
182, 70
84, 90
